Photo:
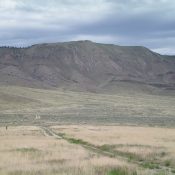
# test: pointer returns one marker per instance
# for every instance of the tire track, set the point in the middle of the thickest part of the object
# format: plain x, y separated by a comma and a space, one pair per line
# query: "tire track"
49, 133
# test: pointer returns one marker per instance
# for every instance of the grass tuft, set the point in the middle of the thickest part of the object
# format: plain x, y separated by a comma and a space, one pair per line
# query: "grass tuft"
27, 150
121, 171
150, 165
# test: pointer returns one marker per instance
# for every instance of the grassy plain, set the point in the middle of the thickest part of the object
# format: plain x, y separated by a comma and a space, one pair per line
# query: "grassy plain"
20, 105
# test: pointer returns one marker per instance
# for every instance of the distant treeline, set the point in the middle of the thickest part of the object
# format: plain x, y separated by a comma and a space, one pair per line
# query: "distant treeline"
11, 47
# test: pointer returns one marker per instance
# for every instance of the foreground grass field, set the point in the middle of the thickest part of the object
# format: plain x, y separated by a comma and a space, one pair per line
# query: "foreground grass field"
86, 150
27, 150
131, 105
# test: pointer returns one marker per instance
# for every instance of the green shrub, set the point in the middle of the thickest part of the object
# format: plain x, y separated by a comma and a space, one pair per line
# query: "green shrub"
121, 171
27, 150
150, 165
167, 163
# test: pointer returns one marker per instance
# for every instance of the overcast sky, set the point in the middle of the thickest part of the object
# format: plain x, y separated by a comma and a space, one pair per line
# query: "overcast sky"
149, 23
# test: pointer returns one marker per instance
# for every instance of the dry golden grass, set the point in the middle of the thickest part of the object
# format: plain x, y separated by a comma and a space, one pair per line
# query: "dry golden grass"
145, 143
25, 150
132, 135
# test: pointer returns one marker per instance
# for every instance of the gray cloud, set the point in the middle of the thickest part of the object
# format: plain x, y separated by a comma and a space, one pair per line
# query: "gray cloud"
124, 22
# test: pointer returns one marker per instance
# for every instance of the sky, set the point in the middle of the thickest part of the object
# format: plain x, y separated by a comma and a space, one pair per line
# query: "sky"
149, 23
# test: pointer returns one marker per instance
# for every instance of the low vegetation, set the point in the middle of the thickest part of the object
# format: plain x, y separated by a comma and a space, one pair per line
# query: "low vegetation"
121, 171
21, 106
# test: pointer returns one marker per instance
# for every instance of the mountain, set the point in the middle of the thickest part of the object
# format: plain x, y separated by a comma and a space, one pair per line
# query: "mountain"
85, 65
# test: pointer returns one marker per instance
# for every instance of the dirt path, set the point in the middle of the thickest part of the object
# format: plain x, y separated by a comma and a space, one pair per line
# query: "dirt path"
49, 133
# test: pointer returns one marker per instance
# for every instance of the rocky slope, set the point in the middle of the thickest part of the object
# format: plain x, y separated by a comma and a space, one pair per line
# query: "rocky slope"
84, 65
